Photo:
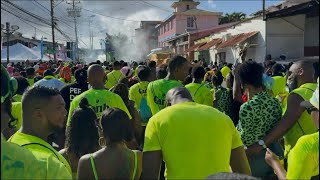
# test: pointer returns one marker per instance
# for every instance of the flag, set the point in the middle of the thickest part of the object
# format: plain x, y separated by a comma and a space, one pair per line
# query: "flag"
41, 47
73, 52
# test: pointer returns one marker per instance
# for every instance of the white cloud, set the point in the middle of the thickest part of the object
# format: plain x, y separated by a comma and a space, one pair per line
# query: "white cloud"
211, 4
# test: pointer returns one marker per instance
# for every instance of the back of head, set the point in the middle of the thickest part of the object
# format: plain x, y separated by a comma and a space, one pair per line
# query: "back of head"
250, 73
198, 72
177, 95
96, 75
30, 71
152, 64
144, 73
82, 120
176, 62
22, 84
48, 72
116, 125
231, 176
116, 65
122, 90
217, 78
126, 71
277, 69
81, 75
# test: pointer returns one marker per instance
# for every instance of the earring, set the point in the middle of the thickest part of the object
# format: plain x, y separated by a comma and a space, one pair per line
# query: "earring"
102, 142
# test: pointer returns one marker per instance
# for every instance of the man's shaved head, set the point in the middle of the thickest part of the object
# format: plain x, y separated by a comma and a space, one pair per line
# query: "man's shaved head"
178, 95
301, 72
96, 75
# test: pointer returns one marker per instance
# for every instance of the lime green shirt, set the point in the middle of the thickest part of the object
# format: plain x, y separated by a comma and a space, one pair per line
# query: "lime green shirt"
138, 91
17, 98
112, 78
304, 125
157, 91
30, 81
40, 148
99, 100
200, 94
303, 160
20, 163
279, 86
192, 155
16, 112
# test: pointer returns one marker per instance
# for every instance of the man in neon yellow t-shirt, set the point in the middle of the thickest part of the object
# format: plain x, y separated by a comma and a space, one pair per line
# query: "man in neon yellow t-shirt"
43, 113
99, 98
193, 140
200, 93
114, 76
18, 162
303, 160
178, 69
296, 121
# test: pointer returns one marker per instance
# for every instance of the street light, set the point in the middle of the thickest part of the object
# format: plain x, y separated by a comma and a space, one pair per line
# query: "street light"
7, 31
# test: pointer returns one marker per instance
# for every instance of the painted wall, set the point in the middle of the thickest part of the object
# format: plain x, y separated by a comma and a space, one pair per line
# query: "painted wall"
256, 52
286, 36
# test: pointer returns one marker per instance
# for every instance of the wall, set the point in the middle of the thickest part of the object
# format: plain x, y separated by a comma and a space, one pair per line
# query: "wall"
168, 34
311, 37
286, 36
256, 52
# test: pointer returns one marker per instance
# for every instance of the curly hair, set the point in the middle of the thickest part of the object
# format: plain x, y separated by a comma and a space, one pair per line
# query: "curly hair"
82, 135
250, 73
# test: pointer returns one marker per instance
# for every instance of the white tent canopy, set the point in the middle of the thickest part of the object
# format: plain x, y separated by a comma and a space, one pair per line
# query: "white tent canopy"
19, 52
60, 56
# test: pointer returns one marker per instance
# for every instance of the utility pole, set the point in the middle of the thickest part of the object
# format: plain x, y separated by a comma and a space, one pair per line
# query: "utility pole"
52, 26
74, 12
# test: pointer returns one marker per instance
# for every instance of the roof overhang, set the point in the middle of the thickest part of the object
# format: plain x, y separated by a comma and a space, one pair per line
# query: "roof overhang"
234, 40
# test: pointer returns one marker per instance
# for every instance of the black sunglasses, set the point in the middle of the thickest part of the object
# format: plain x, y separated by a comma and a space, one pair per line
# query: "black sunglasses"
311, 109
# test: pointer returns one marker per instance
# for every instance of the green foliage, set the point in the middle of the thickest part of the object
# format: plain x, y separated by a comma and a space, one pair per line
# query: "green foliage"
234, 17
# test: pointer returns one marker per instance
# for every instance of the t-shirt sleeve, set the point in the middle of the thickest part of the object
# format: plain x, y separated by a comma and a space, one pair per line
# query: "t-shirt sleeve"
151, 104
151, 138
300, 165
133, 95
236, 139
208, 98
57, 169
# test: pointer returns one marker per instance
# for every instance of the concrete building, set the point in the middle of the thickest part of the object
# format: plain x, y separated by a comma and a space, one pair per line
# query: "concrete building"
146, 37
185, 18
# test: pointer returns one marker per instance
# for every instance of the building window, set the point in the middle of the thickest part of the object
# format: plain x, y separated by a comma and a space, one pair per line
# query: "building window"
188, 7
190, 22
170, 25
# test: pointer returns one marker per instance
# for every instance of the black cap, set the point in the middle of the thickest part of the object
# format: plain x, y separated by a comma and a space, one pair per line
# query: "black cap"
81, 75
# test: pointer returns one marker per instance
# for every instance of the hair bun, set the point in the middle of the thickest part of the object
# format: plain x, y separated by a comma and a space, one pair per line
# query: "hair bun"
84, 103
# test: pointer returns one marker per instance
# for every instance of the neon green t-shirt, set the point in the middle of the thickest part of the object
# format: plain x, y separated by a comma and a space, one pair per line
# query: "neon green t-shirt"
17, 98
303, 160
157, 91
30, 81
279, 86
112, 78
16, 112
192, 155
304, 125
138, 91
20, 163
99, 100
200, 94
40, 148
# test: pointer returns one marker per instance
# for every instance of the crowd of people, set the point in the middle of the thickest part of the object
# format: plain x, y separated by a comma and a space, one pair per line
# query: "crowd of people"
179, 120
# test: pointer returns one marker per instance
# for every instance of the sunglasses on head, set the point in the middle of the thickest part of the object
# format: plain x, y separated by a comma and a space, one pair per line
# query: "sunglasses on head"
311, 109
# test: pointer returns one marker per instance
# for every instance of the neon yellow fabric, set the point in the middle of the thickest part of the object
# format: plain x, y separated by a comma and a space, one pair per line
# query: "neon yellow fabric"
192, 155
30, 81
17, 98
73, 79
64, 81
225, 71
138, 91
305, 121
200, 94
112, 78
157, 91
42, 150
303, 160
279, 86
16, 112
20, 163
99, 100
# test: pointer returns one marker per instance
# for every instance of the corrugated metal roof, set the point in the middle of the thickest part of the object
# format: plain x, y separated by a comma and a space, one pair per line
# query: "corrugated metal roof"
195, 47
209, 44
237, 39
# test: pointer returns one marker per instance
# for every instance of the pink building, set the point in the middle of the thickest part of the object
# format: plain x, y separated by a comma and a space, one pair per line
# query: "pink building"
185, 18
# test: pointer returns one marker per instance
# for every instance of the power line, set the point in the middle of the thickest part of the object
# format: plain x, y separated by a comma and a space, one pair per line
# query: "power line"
155, 6
110, 16
42, 5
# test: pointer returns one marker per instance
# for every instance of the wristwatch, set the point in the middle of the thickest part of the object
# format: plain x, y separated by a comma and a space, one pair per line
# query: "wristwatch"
261, 143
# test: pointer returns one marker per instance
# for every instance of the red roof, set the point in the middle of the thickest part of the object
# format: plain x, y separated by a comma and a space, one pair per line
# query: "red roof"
210, 44
237, 39
195, 47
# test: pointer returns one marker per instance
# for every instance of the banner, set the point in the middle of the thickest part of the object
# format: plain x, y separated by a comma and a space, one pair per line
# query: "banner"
41, 48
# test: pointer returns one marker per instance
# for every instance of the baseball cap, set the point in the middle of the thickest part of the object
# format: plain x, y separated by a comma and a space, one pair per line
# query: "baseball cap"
126, 71
314, 100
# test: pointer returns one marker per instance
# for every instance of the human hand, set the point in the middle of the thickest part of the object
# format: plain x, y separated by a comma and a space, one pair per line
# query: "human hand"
253, 150
271, 158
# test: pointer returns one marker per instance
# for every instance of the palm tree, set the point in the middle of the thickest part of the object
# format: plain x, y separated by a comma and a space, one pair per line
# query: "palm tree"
234, 17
